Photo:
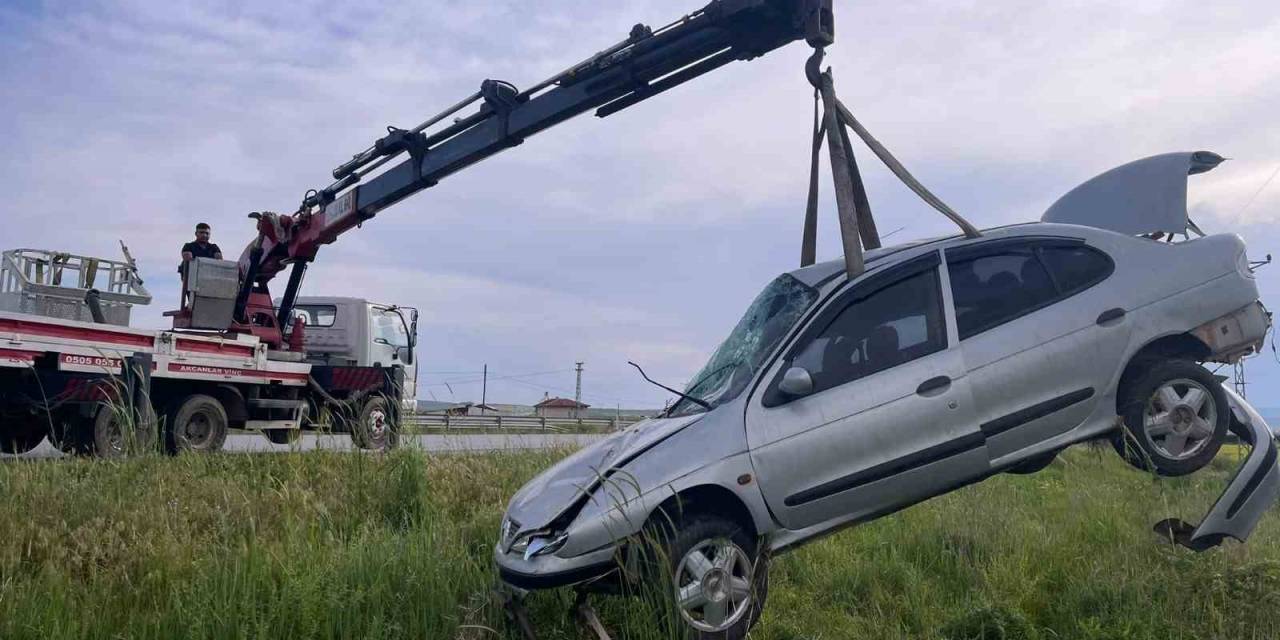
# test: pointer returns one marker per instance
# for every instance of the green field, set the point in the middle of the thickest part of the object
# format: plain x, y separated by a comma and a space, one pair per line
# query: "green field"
327, 545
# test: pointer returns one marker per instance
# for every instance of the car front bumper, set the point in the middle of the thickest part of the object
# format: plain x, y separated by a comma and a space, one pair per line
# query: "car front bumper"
550, 571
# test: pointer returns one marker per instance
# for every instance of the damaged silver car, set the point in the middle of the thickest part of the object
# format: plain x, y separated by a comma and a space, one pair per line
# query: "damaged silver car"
834, 402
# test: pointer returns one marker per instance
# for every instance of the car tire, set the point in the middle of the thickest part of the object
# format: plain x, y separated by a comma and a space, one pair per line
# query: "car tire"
709, 543
1175, 418
108, 440
20, 434
373, 428
196, 424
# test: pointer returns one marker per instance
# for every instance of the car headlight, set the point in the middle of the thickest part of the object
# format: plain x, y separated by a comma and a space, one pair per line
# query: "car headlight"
538, 543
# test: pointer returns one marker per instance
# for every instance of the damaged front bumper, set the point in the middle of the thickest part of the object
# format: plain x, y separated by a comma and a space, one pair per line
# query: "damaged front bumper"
1251, 492
549, 571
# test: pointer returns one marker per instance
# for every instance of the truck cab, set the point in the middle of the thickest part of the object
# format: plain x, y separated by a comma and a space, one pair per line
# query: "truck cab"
354, 332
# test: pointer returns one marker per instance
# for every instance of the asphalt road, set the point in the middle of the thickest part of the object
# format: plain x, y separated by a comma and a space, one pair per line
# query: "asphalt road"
254, 443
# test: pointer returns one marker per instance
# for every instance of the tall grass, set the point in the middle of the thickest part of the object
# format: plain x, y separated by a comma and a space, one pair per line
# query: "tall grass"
328, 545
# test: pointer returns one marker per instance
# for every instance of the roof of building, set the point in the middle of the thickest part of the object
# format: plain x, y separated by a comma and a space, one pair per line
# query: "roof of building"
561, 403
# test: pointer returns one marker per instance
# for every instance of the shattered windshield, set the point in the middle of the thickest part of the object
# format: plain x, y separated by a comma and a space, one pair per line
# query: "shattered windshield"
766, 321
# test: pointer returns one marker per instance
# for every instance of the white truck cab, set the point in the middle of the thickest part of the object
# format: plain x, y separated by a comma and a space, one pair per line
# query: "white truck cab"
353, 332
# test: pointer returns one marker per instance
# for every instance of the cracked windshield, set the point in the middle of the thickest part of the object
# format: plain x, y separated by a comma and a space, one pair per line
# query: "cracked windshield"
766, 321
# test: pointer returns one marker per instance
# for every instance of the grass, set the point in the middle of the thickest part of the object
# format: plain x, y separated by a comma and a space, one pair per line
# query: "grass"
330, 545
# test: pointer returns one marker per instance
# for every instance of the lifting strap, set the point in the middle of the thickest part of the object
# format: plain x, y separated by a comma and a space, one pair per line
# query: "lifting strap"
857, 225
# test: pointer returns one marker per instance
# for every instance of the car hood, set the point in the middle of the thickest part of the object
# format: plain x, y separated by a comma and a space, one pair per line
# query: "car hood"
1143, 196
560, 487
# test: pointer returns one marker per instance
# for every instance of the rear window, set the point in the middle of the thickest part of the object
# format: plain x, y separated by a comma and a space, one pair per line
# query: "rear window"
316, 315
1076, 268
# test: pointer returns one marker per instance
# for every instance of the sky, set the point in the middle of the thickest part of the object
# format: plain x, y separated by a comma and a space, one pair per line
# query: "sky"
642, 236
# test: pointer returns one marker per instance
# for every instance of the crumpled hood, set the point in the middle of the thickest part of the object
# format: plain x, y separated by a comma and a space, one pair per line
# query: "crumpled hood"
545, 497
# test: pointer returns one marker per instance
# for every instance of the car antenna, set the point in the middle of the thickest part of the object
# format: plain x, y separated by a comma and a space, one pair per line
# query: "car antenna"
698, 401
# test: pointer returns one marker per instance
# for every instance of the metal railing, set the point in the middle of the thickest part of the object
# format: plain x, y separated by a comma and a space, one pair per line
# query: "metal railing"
54, 284
510, 423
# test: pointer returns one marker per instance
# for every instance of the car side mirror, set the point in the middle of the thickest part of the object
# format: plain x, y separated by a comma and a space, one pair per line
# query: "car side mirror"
796, 382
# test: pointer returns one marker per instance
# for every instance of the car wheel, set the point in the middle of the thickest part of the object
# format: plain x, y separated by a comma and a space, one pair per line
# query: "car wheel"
198, 423
1175, 419
110, 439
716, 580
23, 433
373, 428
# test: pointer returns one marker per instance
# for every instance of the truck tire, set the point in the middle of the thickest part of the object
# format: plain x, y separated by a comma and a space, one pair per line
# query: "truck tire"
20, 434
198, 423
109, 440
373, 428
1175, 418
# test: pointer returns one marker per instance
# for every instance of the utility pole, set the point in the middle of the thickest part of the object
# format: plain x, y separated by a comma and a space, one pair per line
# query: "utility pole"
577, 394
484, 389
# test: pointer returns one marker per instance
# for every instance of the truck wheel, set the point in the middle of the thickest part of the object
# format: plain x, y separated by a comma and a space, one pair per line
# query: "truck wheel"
282, 436
198, 423
1175, 419
373, 429
21, 434
714, 575
110, 440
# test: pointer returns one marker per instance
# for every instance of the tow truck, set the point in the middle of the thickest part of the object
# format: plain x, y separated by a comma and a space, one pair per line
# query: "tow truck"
70, 366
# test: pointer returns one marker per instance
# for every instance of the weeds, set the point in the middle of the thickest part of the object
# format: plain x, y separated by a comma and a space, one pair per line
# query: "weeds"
327, 545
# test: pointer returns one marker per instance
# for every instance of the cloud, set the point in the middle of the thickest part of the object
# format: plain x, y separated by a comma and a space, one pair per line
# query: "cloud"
642, 235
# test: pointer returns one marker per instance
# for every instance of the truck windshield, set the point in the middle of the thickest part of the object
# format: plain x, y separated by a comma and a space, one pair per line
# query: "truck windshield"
768, 319
388, 325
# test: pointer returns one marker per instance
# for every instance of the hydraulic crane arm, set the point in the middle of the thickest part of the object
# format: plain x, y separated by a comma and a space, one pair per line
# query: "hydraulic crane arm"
647, 63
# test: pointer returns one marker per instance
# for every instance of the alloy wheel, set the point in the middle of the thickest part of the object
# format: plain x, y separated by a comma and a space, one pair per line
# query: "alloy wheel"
713, 585
1180, 418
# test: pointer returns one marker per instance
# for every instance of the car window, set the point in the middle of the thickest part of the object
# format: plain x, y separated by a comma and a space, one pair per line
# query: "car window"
895, 324
995, 288
1076, 267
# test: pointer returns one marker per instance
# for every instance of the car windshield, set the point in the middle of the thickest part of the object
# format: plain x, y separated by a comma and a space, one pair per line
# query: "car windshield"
733, 364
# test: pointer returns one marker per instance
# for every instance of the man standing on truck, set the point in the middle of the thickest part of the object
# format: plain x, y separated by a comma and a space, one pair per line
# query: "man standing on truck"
199, 248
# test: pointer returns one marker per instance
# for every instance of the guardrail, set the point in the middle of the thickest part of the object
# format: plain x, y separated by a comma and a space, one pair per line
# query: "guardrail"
506, 423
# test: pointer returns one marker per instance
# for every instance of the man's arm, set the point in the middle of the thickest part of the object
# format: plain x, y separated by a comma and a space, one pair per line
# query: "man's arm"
186, 252
217, 252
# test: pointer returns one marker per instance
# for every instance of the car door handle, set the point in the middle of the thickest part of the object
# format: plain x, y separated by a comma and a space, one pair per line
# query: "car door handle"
1110, 316
933, 384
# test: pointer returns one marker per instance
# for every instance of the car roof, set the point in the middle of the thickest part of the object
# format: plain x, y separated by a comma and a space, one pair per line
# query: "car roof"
882, 257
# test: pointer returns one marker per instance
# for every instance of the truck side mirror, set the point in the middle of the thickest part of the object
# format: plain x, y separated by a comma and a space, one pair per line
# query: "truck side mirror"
796, 382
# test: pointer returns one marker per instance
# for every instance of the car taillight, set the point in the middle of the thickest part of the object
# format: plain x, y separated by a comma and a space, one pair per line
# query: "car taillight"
1242, 265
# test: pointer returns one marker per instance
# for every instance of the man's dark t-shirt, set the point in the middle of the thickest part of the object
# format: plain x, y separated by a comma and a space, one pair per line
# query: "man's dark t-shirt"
207, 250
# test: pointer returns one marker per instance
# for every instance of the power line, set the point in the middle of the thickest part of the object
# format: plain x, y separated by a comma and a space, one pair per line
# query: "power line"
1255, 193
542, 387
507, 377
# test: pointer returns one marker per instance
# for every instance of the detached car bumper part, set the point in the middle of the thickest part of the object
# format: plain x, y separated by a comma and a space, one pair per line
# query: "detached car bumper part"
1248, 496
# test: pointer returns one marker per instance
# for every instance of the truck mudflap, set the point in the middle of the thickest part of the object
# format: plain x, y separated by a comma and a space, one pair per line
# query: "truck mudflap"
1251, 492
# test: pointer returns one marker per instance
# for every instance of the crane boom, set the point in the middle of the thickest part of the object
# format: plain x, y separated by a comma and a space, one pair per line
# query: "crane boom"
646, 64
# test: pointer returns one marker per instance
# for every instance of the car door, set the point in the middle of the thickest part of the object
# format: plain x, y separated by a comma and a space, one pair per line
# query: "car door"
1040, 340
889, 418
